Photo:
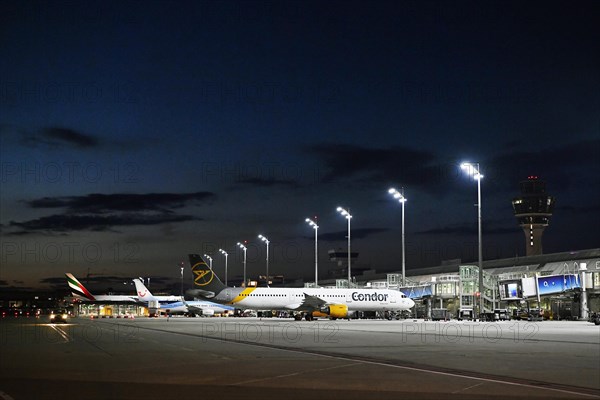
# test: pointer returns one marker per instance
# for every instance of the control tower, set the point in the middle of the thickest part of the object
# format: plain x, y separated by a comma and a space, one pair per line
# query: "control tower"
533, 210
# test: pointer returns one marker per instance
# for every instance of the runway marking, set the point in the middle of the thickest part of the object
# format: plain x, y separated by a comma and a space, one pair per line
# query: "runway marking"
62, 333
466, 323
467, 388
540, 385
5, 396
293, 374
169, 344
461, 375
96, 346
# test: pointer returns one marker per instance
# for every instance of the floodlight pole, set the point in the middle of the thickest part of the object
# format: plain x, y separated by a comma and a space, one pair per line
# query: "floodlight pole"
316, 228
226, 255
244, 248
401, 199
267, 241
473, 170
348, 216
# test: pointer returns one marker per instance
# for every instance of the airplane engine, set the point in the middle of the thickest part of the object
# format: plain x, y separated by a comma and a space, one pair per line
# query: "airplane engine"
336, 310
207, 312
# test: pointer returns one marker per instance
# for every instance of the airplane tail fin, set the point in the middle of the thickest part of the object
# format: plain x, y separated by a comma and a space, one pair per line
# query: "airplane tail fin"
142, 291
77, 288
206, 283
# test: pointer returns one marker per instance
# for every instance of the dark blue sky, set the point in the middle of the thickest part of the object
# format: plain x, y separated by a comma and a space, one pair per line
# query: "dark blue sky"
133, 133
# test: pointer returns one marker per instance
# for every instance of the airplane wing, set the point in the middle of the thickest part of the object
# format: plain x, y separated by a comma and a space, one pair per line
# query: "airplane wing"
193, 308
309, 303
312, 302
207, 294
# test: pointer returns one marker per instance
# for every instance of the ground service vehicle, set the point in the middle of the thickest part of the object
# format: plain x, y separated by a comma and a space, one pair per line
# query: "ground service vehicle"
59, 316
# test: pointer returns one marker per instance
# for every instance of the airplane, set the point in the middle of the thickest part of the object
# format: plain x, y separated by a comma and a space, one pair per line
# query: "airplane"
313, 302
144, 294
205, 308
80, 292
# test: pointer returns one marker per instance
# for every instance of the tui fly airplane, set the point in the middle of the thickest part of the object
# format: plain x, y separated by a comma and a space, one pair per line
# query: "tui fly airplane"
167, 304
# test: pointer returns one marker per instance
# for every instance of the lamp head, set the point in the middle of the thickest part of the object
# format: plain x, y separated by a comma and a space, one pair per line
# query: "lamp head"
472, 169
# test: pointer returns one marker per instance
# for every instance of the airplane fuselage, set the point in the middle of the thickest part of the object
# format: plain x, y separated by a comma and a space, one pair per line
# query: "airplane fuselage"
111, 298
207, 307
294, 298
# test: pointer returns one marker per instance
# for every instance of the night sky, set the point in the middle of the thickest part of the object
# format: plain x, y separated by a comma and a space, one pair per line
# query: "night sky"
134, 133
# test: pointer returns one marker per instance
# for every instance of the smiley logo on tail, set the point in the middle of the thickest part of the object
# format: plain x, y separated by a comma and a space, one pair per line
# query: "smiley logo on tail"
202, 276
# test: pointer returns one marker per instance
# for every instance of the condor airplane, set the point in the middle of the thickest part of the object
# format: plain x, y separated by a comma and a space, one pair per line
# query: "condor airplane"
334, 303
180, 305
80, 292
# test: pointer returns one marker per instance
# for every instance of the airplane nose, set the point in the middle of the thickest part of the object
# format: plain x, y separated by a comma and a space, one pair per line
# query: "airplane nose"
411, 303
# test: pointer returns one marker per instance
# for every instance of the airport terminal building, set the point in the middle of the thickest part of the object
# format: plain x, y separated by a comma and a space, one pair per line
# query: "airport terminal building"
560, 286
557, 286
551, 286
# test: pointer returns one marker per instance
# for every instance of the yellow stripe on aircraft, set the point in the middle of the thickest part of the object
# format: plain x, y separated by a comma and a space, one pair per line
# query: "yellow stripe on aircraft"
243, 294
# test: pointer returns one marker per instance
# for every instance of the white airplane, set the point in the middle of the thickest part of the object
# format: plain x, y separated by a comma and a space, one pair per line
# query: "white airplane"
334, 303
80, 292
166, 303
144, 294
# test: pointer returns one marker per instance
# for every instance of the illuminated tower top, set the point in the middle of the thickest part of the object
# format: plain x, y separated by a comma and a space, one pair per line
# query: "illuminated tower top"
533, 210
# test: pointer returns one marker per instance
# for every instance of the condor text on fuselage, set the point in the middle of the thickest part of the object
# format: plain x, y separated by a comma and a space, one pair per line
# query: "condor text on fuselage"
369, 297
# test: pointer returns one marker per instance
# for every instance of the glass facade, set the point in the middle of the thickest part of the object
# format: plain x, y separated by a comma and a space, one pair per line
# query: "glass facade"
448, 288
108, 310
454, 291
468, 272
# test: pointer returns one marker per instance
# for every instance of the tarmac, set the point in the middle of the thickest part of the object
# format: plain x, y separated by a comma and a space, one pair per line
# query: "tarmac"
177, 357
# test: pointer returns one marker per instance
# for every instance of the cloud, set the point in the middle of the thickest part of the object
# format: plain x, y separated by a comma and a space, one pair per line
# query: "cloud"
103, 212
561, 165
60, 137
355, 234
104, 279
67, 223
468, 230
589, 210
101, 203
53, 138
260, 182
99, 284
381, 166
19, 233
